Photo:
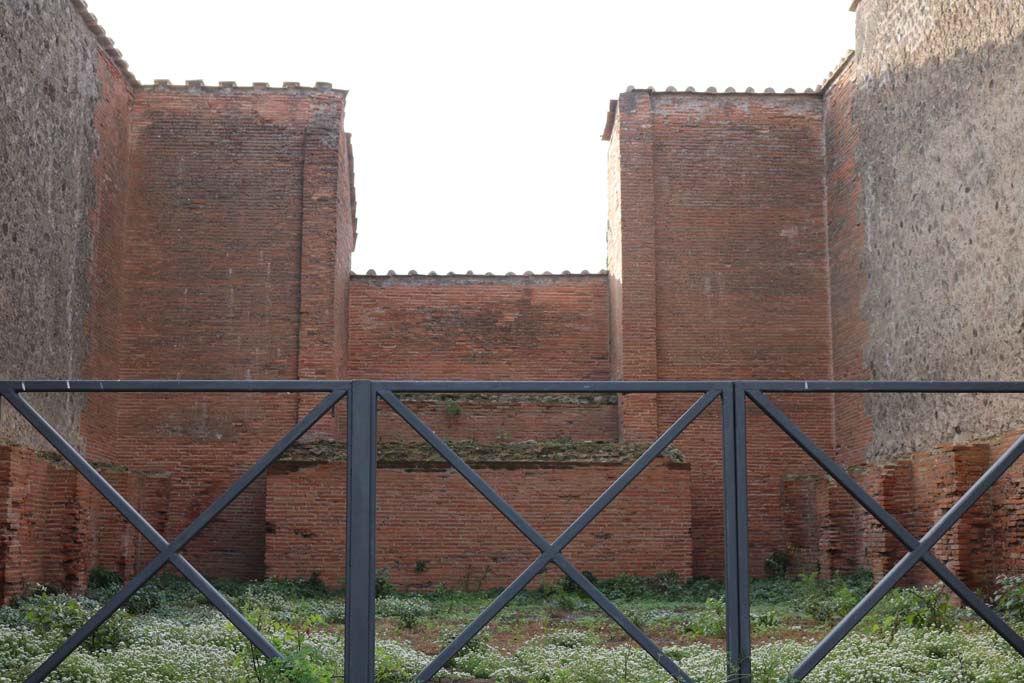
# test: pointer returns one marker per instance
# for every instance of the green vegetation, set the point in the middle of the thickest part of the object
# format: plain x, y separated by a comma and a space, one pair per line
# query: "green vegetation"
553, 634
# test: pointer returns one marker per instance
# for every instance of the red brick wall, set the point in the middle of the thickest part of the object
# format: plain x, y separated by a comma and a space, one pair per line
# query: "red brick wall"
848, 281
490, 418
540, 327
804, 513
54, 527
222, 230
845, 522
631, 260
917, 490
108, 226
839, 552
724, 276
26, 544
239, 234
433, 517
1005, 509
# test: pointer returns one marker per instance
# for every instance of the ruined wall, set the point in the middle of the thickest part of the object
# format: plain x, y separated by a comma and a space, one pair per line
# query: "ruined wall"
923, 278
523, 327
723, 253
54, 527
240, 229
614, 253
31, 550
536, 327
918, 488
206, 232
433, 528
1003, 508
64, 115
844, 519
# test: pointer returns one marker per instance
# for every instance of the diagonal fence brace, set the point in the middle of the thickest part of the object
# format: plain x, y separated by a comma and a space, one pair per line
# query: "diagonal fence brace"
167, 552
918, 550
551, 552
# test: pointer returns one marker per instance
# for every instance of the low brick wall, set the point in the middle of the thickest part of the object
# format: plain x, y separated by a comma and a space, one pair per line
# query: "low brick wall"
54, 527
917, 489
433, 528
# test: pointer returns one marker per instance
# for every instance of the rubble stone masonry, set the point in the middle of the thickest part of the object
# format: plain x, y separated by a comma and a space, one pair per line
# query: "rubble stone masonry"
926, 202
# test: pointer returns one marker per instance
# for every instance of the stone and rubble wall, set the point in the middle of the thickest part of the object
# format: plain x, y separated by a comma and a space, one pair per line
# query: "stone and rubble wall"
64, 117
925, 203
926, 200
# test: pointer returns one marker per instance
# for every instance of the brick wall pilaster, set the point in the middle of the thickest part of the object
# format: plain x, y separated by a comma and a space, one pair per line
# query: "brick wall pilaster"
839, 533
326, 246
631, 260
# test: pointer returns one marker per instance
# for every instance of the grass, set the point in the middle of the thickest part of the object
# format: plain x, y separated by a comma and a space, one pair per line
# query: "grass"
549, 635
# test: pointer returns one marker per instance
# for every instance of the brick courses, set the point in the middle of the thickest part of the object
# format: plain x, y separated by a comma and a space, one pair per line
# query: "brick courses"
108, 225
239, 224
718, 238
433, 528
54, 527
541, 327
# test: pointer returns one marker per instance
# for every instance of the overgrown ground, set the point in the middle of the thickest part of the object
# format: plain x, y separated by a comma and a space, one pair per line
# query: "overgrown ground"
552, 635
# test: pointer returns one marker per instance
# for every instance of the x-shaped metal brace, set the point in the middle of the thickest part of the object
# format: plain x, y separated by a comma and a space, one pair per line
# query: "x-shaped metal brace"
551, 552
919, 550
166, 551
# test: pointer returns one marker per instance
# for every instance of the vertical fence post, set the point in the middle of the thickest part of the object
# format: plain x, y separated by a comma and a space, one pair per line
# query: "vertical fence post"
737, 552
360, 532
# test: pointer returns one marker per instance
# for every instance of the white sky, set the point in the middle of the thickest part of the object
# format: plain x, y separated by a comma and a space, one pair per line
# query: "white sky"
476, 125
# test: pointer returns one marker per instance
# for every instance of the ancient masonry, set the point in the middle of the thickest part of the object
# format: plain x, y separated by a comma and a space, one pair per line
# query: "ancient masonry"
857, 230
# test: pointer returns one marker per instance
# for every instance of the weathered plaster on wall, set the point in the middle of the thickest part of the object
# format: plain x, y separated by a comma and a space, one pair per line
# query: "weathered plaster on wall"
47, 146
939, 113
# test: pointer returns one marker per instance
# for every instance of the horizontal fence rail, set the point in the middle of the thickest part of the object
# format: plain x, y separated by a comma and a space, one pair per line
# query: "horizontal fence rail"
365, 400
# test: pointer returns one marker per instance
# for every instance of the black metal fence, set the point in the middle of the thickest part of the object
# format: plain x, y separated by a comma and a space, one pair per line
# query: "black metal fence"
363, 401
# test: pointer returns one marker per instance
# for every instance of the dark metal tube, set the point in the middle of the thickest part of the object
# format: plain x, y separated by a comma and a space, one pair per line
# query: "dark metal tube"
360, 536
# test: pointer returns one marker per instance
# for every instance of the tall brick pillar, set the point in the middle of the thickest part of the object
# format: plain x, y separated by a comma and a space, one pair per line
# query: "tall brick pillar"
717, 259
239, 229
631, 261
